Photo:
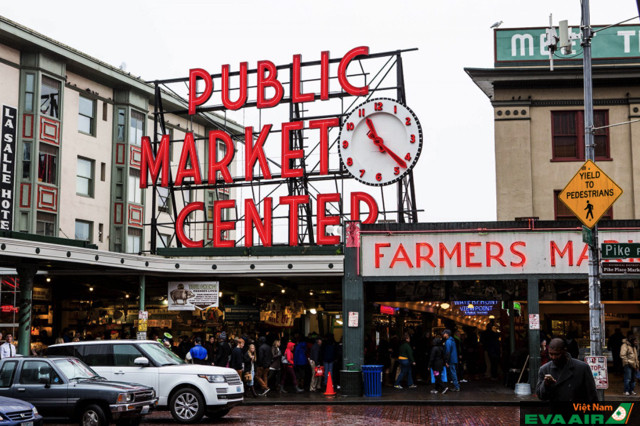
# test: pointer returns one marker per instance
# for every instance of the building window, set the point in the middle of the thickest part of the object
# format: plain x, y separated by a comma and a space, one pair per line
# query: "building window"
26, 160
50, 97
134, 192
213, 196
162, 240
47, 164
121, 125
134, 236
84, 178
567, 128
46, 224
87, 116
163, 199
562, 212
136, 128
29, 92
84, 230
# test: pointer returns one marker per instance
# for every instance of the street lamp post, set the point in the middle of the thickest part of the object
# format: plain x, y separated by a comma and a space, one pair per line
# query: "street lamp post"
595, 305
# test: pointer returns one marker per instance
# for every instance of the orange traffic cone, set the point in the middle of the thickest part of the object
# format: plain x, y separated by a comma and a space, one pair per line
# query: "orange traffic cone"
330, 391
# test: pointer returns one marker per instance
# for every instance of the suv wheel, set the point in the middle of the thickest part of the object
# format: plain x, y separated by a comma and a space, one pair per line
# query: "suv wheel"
93, 415
187, 406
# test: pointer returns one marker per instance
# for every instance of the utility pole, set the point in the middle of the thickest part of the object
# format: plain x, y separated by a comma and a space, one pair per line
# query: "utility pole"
595, 305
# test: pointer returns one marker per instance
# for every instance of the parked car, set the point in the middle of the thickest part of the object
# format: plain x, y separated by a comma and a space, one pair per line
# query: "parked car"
15, 412
189, 391
66, 388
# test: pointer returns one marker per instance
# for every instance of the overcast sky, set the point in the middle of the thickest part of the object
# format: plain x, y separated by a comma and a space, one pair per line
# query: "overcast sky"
455, 175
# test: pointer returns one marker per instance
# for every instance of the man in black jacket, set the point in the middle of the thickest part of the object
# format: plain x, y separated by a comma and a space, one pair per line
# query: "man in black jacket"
224, 351
565, 378
237, 358
264, 361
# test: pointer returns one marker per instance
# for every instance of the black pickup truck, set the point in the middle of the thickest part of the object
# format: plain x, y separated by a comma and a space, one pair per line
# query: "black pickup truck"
66, 388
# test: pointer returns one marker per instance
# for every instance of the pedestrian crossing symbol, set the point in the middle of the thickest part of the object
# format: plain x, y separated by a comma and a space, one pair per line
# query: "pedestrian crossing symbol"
590, 194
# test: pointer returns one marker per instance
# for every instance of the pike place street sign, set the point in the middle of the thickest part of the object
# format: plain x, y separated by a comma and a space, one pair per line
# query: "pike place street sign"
590, 194
620, 250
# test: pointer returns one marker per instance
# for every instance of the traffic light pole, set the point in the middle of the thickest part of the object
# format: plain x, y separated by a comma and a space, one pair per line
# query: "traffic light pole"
595, 305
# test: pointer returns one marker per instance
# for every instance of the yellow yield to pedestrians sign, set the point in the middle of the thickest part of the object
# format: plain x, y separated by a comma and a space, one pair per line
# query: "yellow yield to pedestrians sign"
590, 194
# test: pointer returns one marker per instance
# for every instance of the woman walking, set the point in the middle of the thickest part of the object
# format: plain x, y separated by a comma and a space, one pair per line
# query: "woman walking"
436, 363
406, 360
287, 368
249, 370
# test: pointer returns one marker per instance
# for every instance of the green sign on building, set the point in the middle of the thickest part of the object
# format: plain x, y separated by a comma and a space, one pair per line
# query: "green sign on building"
615, 44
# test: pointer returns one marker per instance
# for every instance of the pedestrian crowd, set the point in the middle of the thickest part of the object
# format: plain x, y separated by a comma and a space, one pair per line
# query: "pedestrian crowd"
265, 363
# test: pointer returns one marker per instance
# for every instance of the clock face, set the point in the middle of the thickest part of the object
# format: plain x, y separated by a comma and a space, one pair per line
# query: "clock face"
380, 141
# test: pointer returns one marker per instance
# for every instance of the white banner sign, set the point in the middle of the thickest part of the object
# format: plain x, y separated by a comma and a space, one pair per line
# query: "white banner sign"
187, 296
481, 253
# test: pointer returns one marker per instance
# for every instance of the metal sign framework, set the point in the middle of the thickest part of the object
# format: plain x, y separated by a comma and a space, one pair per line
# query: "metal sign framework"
382, 72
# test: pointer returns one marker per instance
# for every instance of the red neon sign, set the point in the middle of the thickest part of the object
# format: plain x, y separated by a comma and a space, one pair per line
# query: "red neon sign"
154, 167
387, 310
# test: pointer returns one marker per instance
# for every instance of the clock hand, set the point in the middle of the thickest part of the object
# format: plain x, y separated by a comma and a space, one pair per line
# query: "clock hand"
380, 143
372, 130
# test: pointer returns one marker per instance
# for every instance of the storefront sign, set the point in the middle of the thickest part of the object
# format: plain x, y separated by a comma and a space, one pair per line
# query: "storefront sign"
598, 365
534, 321
143, 317
241, 313
529, 44
154, 165
476, 307
187, 296
7, 166
482, 252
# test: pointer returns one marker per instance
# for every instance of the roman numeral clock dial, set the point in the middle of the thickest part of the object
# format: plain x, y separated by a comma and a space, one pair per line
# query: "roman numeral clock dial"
380, 141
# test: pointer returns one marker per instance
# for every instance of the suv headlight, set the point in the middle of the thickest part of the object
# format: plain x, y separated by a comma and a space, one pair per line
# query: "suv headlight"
124, 398
213, 378
35, 411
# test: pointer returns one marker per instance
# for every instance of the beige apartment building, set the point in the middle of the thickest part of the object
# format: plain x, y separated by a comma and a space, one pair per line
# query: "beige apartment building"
74, 170
538, 120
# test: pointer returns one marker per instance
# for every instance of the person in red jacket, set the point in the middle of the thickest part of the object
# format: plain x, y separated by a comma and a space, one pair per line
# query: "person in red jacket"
287, 367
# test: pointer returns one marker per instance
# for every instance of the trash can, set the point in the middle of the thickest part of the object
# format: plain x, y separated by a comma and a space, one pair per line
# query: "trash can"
372, 375
350, 383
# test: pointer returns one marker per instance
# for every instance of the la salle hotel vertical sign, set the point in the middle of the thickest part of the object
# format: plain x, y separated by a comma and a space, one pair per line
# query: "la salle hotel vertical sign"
7, 155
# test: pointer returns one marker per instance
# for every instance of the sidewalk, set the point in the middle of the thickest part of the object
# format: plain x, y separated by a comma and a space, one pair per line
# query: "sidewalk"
475, 393
472, 393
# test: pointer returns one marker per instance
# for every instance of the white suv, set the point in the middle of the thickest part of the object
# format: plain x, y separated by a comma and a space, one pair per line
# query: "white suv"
190, 391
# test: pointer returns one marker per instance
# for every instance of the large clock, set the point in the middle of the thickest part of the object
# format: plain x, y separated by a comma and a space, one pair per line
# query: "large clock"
380, 141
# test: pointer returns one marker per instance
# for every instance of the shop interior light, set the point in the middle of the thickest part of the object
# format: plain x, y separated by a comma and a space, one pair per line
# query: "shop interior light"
261, 284
313, 311
272, 300
48, 279
470, 306
492, 317
90, 288
165, 301
126, 296
283, 291
584, 301
339, 322
310, 292
220, 294
445, 305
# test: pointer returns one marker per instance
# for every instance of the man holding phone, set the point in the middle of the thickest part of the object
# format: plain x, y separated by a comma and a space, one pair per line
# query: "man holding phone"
565, 378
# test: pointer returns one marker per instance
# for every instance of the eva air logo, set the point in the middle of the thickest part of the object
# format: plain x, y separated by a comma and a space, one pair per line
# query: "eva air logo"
621, 415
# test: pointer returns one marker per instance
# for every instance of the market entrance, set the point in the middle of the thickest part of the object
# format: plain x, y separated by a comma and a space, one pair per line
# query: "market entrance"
486, 324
